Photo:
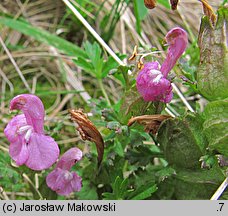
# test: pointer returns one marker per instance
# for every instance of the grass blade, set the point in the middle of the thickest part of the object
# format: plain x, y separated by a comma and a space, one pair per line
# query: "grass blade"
43, 36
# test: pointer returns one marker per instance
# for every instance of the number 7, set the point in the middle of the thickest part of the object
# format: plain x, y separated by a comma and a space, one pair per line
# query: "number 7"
221, 206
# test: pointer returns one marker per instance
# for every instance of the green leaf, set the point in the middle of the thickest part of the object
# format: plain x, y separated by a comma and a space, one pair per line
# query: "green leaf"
143, 192
143, 154
119, 148
216, 125
119, 188
93, 52
137, 137
108, 66
212, 76
165, 3
113, 125
43, 36
164, 173
182, 140
166, 189
10, 177
85, 65
46, 192
88, 191
198, 184
95, 64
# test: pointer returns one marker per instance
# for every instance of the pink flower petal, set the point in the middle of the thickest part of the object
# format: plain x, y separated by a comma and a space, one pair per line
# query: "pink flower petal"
18, 151
177, 39
70, 186
33, 109
43, 152
76, 182
152, 85
54, 179
14, 124
63, 181
69, 158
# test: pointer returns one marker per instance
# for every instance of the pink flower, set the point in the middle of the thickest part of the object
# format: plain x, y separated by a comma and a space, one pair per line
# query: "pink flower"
61, 180
28, 143
152, 82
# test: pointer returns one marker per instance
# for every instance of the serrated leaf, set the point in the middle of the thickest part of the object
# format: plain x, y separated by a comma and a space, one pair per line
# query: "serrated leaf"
93, 52
84, 64
216, 125
182, 141
137, 137
143, 154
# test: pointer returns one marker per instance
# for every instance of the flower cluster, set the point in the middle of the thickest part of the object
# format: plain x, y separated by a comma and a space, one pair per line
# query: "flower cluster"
152, 82
61, 179
28, 143
31, 147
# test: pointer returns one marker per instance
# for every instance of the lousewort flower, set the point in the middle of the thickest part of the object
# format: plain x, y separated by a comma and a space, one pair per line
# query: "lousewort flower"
152, 82
28, 143
61, 180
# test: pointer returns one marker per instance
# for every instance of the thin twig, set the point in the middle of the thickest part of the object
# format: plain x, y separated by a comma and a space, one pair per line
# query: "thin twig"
83, 10
61, 105
4, 149
169, 112
3, 193
7, 80
220, 190
181, 96
32, 184
15, 64
3, 94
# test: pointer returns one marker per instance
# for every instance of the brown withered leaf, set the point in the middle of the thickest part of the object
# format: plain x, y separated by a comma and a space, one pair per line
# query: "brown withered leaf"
151, 122
174, 4
208, 11
88, 131
150, 4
